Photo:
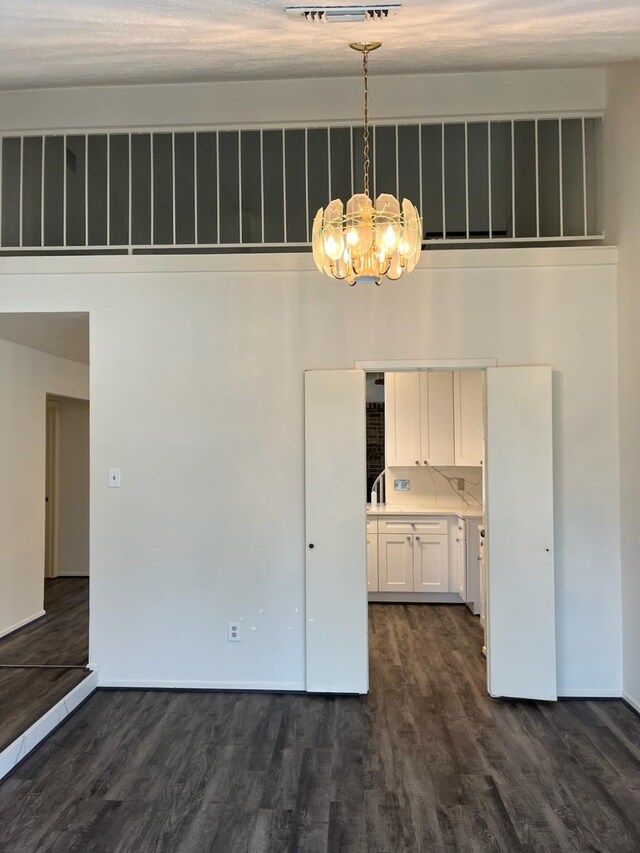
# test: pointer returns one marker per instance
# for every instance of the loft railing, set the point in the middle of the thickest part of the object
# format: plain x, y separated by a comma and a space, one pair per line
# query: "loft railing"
491, 182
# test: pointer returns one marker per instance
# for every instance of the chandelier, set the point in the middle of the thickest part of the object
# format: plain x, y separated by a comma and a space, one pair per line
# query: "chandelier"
361, 242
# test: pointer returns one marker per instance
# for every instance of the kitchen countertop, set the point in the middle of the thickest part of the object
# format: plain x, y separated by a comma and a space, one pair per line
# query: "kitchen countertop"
382, 509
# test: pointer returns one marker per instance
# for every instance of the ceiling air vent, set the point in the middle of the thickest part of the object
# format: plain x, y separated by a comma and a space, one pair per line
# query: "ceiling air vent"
344, 14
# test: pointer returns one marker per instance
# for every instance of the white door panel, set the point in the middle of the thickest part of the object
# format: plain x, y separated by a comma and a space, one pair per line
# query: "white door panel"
468, 416
336, 565
430, 563
372, 562
436, 417
395, 562
402, 419
521, 640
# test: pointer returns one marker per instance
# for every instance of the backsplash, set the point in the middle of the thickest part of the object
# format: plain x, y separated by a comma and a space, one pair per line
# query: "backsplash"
434, 488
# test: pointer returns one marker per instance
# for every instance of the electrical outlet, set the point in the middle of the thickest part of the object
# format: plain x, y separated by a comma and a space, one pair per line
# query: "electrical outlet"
402, 485
460, 484
233, 632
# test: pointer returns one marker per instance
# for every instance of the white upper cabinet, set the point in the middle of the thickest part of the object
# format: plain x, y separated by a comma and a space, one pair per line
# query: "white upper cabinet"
402, 419
436, 417
468, 412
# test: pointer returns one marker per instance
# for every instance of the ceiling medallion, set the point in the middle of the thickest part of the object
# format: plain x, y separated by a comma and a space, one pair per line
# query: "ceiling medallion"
363, 242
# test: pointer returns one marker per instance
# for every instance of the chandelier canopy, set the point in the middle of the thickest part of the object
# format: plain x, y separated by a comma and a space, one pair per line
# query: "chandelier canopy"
361, 241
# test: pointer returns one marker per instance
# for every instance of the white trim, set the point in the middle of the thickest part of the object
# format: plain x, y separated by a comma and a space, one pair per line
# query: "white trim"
177, 684
427, 364
634, 703
590, 693
22, 623
415, 598
558, 256
35, 734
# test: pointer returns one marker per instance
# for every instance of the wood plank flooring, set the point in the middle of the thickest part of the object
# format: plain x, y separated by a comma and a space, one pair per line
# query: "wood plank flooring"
61, 638
426, 762
42, 662
27, 693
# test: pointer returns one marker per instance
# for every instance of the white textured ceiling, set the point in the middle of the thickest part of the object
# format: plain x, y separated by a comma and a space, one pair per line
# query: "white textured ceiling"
63, 334
88, 42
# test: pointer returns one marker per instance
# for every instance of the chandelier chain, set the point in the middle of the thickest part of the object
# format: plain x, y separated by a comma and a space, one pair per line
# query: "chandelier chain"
365, 131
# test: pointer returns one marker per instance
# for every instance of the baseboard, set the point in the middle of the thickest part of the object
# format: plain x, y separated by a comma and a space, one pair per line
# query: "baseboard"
161, 684
589, 693
633, 703
71, 575
17, 751
415, 598
22, 623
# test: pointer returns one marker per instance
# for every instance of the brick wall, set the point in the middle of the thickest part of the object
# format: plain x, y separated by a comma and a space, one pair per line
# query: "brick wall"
375, 442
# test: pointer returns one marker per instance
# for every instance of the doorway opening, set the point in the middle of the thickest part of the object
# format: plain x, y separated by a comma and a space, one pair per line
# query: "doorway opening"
421, 557
44, 583
425, 522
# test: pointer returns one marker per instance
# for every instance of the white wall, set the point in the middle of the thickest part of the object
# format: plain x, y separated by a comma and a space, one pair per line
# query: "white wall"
26, 376
274, 103
622, 212
73, 487
197, 394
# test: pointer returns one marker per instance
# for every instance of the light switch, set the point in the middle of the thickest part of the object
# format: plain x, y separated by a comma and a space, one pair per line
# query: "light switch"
114, 478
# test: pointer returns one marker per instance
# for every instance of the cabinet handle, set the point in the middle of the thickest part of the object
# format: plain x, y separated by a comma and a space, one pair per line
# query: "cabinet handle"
311, 545
417, 538
408, 539
425, 462
417, 461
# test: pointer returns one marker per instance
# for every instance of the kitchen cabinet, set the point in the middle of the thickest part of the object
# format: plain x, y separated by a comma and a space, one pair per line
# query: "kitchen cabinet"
436, 418
395, 562
419, 419
473, 596
413, 555
468, 413
403, 447
372, 558
430, 563
458, 557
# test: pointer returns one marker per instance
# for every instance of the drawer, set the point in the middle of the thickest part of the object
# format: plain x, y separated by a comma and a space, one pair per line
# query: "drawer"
372, 525
408, 524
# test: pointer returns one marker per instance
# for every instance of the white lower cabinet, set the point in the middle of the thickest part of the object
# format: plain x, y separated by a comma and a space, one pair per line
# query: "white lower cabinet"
395, 562
413, 563
412, 554
430, 564
372, 562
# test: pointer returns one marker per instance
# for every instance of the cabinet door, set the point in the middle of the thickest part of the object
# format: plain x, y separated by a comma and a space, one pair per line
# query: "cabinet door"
395, 562
473, 565
402, 419
436, 417
372, 562
461, 550
430, 564
468, 411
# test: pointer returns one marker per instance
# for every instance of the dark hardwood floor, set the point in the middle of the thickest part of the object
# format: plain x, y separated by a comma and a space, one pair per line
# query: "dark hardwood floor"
42, 662
27, 693
426, 762
61, 638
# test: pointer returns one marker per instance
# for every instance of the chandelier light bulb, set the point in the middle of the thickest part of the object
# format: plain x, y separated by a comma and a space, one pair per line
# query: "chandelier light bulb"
360, 241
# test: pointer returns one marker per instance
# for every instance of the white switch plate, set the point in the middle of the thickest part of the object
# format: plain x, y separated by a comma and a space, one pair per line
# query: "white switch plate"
114, 478
402, 485
233, 632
